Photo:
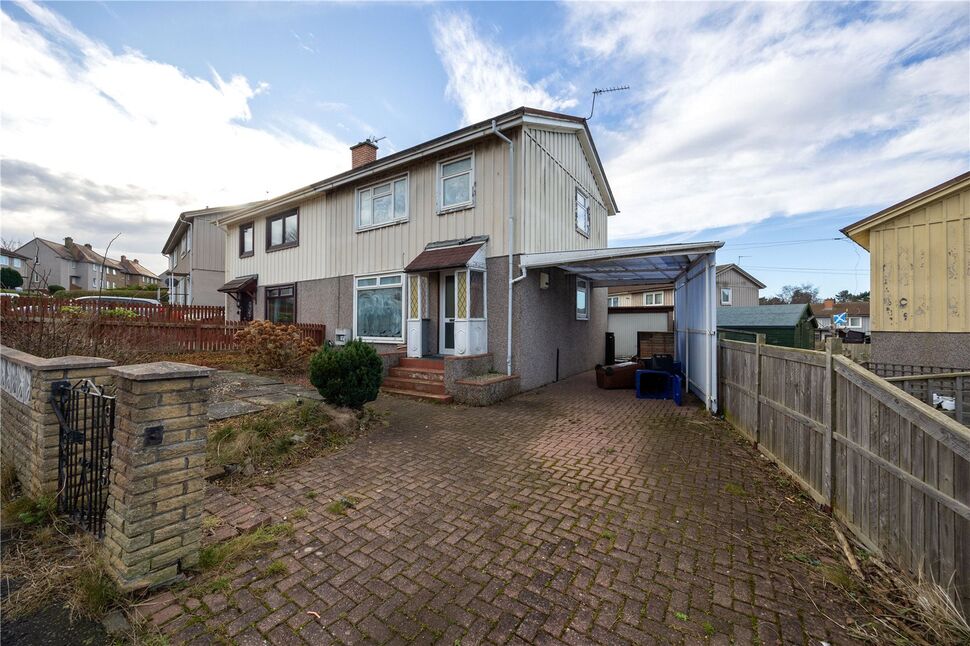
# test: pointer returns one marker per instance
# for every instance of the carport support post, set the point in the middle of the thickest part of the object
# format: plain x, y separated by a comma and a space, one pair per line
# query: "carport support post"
759, 340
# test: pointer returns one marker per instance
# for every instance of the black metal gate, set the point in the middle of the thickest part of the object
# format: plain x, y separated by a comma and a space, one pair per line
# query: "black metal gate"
87, 420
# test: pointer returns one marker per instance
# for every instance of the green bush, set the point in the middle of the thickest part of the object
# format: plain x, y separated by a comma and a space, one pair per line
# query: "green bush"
53, 289
347, 376
119, 313
11, 278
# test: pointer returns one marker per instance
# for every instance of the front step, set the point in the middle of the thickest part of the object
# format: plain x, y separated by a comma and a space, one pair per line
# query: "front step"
419, 385
414, 394
427, 364
426, 374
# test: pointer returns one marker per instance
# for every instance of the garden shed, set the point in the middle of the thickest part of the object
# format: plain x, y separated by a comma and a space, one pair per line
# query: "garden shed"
792, 326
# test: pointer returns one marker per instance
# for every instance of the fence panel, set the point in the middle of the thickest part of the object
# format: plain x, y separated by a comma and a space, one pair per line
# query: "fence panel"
895, 470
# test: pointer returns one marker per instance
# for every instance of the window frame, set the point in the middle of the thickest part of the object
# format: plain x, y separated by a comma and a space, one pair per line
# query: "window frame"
730, 296
655, 296
404, 303
393, 221
251, 226
267, 298
849, 320
440, 184
268, 223
582, 315
611, 299
589, 218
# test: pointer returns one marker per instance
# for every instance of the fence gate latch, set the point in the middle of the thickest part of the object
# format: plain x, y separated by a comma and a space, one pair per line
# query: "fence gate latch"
153, 435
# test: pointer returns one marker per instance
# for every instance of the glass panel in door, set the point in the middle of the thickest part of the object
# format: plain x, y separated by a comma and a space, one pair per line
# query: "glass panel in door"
448, 313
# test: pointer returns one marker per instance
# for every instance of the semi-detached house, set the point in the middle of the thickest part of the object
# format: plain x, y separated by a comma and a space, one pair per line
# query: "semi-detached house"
414, 251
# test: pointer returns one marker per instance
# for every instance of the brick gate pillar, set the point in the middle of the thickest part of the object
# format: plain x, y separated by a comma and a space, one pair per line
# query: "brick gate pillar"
154, 518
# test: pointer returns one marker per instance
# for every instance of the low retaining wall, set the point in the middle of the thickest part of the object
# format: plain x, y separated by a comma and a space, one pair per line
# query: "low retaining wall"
457, 368
485, 390
154, 498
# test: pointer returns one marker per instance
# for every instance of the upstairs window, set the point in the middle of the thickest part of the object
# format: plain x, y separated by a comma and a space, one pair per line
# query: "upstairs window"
653, 298
283, 231
582, 212
582, 299
456, 182
382, 204
613, 301
246, 240
725, 296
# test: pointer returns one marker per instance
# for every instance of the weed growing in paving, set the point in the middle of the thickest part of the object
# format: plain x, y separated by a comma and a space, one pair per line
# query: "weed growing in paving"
276, 568
340, 507
709, 629
734, 489
681, 615
299, 513
312, 495
223, 555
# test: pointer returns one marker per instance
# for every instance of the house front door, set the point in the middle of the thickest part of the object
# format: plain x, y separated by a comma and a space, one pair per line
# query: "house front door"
245, 306
448, 309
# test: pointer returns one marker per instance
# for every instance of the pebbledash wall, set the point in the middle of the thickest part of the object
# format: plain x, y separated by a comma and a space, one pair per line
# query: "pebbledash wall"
153, 522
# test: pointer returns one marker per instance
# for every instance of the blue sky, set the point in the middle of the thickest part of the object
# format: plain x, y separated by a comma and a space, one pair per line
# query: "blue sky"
768, 126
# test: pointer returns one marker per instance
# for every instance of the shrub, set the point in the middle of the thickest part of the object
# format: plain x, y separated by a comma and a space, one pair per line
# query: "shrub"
347, 376
10, 278
53, 289
269, 346
119, 313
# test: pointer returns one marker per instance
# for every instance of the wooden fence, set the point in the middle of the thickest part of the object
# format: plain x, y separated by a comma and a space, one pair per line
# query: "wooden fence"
894, 470
46, 307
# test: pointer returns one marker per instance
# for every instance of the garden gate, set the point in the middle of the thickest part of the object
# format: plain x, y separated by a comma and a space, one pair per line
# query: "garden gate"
87, 421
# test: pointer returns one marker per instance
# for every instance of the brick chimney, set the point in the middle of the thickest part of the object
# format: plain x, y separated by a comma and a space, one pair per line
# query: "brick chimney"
363, 153
68, 242
829, 303
123, 258
87, 244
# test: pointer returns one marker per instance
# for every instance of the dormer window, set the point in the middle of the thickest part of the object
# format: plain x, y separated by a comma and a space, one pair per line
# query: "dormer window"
456, 183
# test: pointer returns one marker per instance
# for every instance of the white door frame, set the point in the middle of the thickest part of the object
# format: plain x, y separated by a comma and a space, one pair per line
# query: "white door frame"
441, 310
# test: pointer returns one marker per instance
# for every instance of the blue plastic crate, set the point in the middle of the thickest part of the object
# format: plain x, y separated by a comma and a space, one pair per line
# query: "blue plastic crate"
657, 384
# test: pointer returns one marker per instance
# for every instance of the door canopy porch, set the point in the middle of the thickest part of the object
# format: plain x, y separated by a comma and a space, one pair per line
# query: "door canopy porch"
691, 267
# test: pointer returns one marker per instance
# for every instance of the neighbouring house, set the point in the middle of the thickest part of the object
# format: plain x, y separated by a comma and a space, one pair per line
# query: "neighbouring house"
788, 325
635, 309
196, 252
832, 317
14, 260
919, 253
78, 267
736, 287
486, 244
641, 296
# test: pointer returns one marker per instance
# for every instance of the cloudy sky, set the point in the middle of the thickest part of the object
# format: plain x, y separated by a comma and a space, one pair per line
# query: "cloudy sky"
768, 126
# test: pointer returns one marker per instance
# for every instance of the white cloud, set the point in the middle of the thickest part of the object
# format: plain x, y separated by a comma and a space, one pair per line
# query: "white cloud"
482, 77
144, 139
746, 111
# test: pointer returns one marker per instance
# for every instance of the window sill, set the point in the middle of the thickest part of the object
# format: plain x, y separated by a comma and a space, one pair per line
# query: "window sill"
248, 254
382, 225
454, 208
582, 233
381, 339
281, 247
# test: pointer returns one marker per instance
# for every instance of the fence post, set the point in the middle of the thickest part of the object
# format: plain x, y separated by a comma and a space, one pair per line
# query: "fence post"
198, 336
759, 340
828, 418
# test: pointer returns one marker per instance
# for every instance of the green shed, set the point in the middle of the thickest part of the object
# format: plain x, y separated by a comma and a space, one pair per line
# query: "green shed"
788, 325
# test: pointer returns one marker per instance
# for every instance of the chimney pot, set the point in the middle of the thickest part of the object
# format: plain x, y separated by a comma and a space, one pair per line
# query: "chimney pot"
363, 153
87, 244
829, 303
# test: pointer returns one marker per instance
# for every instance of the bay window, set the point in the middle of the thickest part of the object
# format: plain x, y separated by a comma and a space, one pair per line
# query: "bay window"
380, 204
379, 308
456, 183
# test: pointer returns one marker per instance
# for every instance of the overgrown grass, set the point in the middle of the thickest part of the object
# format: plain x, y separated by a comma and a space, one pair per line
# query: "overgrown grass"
280, 436
222, 556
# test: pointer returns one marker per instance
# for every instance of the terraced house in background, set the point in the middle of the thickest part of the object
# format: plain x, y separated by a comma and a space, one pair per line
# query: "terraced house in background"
414, 248
78, 267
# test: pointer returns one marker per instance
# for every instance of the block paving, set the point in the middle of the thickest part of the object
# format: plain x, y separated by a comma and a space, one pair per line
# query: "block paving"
566, 515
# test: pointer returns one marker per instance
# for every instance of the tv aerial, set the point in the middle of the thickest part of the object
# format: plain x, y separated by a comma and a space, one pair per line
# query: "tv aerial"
605, 90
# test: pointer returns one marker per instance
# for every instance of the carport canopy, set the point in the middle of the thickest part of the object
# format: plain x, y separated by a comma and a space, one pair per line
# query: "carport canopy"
690, 267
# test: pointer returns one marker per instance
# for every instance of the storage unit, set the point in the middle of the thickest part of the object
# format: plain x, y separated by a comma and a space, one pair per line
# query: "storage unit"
791, 326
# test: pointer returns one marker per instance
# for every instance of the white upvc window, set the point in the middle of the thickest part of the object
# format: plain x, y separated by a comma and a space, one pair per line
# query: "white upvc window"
456, 183
582, 212
381, 204
379, 308
855, 322
725, 296
613, 301
582, 299
653, 298
4, 261
17, 263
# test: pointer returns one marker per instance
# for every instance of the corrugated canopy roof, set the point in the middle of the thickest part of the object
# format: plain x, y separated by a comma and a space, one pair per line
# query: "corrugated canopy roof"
241, 284
652, 264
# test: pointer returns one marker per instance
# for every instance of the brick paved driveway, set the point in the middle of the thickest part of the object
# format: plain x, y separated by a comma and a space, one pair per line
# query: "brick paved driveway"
568, 514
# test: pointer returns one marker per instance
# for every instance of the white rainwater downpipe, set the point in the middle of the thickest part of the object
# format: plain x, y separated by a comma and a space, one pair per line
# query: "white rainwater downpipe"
508, 331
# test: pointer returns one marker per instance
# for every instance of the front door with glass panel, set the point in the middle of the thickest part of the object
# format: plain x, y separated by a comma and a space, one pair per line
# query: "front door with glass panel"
448, 309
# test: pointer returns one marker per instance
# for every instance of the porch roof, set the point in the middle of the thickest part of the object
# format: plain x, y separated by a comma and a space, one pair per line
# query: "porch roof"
241, 284
443, 258
651, 264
